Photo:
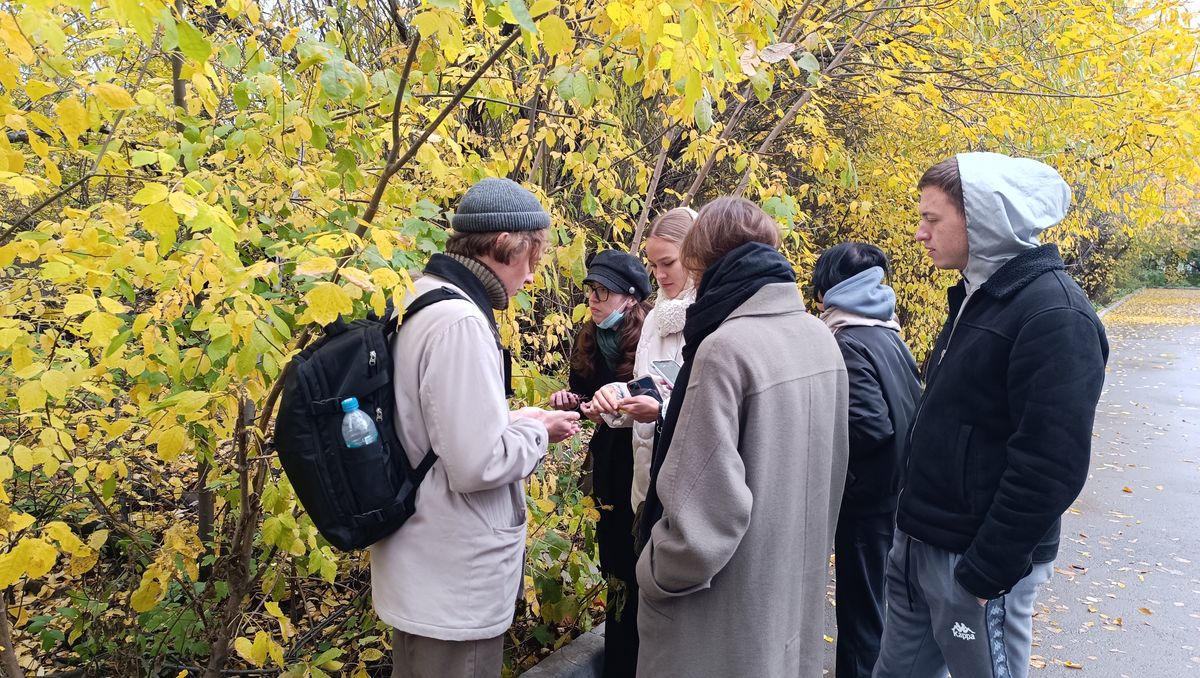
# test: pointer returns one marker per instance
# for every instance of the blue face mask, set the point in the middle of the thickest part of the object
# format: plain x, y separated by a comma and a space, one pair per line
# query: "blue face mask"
612, 320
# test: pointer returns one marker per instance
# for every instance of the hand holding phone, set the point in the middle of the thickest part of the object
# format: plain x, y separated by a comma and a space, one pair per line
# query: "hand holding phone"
643, 408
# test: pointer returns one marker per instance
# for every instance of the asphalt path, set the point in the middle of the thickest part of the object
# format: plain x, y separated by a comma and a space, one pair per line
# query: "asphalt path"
1125, 597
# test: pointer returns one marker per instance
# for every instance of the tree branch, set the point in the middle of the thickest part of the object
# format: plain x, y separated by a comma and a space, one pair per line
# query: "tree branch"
804, 99
651, 190
523, 107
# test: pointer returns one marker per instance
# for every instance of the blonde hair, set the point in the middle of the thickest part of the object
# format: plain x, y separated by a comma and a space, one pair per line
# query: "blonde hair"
673, 225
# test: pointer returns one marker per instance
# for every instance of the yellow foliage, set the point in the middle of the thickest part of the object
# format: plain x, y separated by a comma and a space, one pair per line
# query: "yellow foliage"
150, 309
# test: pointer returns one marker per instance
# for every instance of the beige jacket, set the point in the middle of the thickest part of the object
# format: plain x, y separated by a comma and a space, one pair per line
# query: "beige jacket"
733, 578
453, 571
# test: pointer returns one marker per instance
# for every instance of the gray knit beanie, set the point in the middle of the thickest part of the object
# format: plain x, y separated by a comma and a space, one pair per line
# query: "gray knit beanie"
494, 205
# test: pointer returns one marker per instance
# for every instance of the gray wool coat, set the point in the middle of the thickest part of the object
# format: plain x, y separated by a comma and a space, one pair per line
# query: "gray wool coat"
733, 577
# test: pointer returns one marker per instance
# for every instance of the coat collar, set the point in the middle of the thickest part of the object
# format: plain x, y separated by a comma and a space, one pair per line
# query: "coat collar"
1014, 275
773, 299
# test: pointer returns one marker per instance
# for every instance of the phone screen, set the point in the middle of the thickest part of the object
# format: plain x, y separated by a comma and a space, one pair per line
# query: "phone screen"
669, 369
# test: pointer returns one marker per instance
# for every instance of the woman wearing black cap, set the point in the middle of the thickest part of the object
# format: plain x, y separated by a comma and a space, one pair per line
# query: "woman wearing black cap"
617, 287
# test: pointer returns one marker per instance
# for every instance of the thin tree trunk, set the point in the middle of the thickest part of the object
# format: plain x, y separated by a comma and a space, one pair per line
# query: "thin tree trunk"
8, 653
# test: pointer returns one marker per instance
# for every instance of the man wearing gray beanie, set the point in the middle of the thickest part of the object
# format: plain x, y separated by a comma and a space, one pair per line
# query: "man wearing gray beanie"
447, 581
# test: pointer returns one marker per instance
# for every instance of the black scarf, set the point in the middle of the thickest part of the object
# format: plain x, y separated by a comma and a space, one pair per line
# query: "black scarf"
466, 280
726, 285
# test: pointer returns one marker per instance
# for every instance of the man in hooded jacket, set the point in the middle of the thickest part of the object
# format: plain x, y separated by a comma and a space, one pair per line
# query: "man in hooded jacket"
1000, 444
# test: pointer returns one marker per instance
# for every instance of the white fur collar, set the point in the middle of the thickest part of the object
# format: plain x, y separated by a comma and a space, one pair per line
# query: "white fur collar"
671, 313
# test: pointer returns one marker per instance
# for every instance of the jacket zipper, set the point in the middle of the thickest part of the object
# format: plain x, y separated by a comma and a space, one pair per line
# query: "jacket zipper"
921, 408
954, 328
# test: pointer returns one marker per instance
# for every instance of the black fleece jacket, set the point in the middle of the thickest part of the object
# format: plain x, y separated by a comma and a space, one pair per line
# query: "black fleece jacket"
1001, 442
884, 390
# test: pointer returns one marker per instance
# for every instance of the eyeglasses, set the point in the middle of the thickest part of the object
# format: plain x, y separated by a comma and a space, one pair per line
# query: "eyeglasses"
599, 291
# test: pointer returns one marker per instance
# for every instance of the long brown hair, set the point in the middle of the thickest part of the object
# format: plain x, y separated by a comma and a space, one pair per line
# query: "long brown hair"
583, 356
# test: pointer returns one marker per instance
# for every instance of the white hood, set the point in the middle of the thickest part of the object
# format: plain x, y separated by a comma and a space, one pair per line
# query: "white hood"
1009, 202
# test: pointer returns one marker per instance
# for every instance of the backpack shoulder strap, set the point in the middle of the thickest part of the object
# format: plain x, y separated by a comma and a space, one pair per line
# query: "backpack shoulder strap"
429, 299
422, 302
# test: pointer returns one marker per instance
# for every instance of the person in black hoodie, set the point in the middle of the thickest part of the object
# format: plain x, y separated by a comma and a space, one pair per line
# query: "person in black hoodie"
1001, 441
617, 285
884, 388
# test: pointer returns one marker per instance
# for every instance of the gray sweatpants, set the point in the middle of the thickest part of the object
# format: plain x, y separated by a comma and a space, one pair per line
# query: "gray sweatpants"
933, 624
421, 657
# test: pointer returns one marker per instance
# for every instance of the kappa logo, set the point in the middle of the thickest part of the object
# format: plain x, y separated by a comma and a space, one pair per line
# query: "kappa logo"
962, 631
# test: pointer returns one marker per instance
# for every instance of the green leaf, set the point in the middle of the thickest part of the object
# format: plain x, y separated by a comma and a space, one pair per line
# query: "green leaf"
137, 15
193, 43
808, 62
762, 84
704, 115
328, 656
241, 95
319, 138
689, 24
543, 635
581, 90
590, 204
524, 19
341, 80
143, 158
312, 54
222, 234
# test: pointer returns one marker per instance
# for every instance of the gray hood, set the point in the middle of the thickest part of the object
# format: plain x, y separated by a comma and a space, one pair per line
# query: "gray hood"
1009, 202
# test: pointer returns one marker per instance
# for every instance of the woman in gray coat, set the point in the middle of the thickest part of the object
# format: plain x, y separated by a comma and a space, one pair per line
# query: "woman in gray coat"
749, 471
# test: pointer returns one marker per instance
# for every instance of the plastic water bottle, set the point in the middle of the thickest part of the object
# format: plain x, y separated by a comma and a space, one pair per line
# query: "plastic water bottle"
357, 428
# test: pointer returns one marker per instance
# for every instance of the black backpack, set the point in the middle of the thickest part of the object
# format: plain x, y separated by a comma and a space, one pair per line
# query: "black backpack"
355, 496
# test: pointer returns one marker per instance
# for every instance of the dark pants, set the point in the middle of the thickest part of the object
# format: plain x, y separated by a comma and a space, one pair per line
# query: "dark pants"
612, 455
860, 546
620, 632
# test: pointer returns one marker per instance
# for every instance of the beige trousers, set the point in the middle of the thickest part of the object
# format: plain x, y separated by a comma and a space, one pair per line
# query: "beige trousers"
421, 657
